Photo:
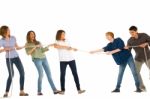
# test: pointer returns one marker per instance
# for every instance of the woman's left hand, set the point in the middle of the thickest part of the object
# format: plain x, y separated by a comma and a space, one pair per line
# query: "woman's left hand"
74, 49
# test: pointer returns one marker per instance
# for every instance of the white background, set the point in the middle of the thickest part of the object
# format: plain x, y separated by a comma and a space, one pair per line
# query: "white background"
85, 23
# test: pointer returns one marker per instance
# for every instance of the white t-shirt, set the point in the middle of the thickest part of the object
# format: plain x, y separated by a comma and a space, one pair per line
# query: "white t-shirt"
64, 54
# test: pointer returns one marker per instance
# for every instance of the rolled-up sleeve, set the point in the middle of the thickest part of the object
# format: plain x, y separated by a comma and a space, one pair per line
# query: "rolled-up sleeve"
28, 47
147, 37
106, 48
45, 49
1, 43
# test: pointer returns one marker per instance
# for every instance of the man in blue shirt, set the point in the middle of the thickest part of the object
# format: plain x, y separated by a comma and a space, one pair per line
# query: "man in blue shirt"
122, 57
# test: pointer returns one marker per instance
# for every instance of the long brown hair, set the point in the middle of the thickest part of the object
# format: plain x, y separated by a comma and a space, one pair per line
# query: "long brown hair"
29, 40
58, 34
3, 30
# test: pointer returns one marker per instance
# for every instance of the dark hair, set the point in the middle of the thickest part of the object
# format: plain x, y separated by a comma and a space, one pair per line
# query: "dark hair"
3, 30
29, 40
59, 33
133, 28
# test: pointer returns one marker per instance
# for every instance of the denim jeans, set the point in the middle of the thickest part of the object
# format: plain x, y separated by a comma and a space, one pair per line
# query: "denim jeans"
18, 63
40, 65
122, 67
73, 68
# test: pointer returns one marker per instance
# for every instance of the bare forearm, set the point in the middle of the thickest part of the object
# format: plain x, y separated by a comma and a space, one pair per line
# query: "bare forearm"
2, 50
61, 46
96, 51
115, 51
19, 48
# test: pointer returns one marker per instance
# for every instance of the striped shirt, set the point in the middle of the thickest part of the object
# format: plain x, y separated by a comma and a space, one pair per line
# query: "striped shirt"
9, 44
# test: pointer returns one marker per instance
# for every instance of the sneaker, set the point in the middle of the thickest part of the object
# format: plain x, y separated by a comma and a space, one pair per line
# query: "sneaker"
116, 90
40, 94
62, 92
5, 95
143, 88
81, 91
138, 90
57, 92
23, 94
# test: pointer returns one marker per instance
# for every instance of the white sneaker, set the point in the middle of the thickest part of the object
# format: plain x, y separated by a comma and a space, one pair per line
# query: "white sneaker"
62, 92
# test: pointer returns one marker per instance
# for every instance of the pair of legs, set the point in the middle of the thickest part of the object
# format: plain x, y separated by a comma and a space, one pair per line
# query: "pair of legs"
18, 63
72, 65
138, 67
122, 67
40, 65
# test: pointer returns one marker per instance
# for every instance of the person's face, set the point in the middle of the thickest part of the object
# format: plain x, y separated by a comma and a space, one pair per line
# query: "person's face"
32, 36
63, 36
7, 33
133, 33
109, 38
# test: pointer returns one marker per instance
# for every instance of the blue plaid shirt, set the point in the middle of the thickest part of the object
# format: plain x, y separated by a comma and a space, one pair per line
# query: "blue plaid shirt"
9, 44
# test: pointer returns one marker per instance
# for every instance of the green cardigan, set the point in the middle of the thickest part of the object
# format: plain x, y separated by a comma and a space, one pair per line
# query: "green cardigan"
38, 52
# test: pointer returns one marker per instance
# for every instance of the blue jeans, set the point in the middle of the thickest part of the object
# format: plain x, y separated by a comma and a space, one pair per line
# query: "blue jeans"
122, 67
63, 66
40, 65
20, 68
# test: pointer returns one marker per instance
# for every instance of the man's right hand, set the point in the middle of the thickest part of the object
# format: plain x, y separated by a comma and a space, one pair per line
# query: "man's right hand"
143, 45
92, 52
126, 47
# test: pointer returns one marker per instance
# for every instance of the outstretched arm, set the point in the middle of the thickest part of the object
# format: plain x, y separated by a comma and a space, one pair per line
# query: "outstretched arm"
96, 51
2, 50
113, 51
120, 46
64, 47
19, 47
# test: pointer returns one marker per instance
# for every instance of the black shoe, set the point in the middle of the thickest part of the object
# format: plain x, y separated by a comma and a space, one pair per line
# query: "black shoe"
116, 90
40, 94
138, 90
5, 95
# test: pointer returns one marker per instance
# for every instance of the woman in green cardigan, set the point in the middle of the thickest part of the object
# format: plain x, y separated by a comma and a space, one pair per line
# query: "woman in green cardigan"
34, 48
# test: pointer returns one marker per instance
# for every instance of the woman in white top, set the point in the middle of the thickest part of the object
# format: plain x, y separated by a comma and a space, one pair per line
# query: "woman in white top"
66, 58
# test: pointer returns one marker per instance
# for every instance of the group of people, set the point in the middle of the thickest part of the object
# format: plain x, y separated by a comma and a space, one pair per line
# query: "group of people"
121, 54
34, 48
